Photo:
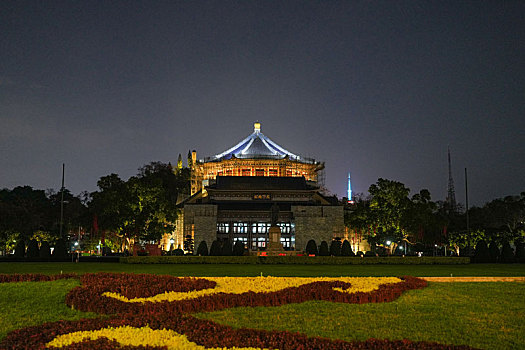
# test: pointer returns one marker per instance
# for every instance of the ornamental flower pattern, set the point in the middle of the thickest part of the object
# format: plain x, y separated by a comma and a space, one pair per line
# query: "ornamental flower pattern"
143, 311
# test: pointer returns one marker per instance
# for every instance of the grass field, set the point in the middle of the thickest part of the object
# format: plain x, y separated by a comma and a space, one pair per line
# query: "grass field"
484, 315
273, 270
26, 304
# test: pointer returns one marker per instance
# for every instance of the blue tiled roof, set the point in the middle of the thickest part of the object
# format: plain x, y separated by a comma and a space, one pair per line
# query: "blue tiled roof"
256, 145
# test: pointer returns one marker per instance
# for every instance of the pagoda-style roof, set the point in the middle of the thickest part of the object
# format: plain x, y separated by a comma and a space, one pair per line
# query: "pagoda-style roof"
256, 146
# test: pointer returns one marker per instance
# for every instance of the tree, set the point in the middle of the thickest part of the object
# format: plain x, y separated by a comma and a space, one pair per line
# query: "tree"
145, 206
45, 250
8, 240
335, 248
323, 249
23, 211
238, 248
226, 249
76, 214
463, 240
215, 249
389, 215
311, 247
507, 254
60, 251
388, 206
20, 250
32, 249
346, 249
520, 251
494, 252
202, 249
482, 254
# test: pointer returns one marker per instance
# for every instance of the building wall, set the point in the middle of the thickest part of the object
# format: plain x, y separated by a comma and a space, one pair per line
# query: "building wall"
320, 223
200, 221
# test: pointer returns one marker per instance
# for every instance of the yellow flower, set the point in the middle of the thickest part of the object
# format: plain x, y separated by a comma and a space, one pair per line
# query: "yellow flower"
133, 336
238, 285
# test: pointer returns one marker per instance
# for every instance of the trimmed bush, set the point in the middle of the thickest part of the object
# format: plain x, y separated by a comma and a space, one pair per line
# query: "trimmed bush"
323, 249
360, 254
311, 247
346, 249
507, 254
369, 253
335, 248
520, 250
226, 249
467, 251
32, 249
178, 252
238, 248
20, 249
494, 252
60, 251
202, 249
45, 250
482, 254
215, 249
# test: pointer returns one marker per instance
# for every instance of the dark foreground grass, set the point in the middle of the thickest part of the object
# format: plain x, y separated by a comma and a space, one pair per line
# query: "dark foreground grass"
26, 304
273, 270
482, 315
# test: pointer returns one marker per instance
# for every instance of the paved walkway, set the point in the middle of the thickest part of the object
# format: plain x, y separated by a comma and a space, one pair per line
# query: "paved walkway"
474, 279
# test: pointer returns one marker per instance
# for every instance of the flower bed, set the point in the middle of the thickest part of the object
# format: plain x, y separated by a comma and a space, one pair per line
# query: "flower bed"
34, 277
153, 312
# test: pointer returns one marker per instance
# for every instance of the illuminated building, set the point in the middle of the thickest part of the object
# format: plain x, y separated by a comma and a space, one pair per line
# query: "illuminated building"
256, 155
232, 194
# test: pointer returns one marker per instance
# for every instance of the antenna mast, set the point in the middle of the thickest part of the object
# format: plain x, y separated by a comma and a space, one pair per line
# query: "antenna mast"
62, 201
451, 197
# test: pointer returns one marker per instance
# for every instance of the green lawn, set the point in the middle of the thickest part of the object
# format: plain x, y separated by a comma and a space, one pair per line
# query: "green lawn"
274, 270
482, 315
25, 304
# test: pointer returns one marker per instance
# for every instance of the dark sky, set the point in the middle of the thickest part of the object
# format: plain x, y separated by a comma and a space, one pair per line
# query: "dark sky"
377, 88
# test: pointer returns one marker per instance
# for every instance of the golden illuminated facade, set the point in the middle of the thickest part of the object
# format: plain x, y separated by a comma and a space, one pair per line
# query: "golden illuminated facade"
256, 155
233, 193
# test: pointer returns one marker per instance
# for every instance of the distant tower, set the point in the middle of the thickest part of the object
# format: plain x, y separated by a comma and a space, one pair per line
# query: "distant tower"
349, 188
451, 197
190, 163
179, 162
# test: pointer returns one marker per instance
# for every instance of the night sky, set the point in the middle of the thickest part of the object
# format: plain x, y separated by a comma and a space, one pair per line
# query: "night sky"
375, 88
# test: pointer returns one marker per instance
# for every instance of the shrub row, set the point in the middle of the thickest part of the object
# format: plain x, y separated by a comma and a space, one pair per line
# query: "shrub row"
34, 277
297, 260
491, 253
34, 251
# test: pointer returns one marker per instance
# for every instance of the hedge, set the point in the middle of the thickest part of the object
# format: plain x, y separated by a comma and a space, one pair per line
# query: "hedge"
296, 260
